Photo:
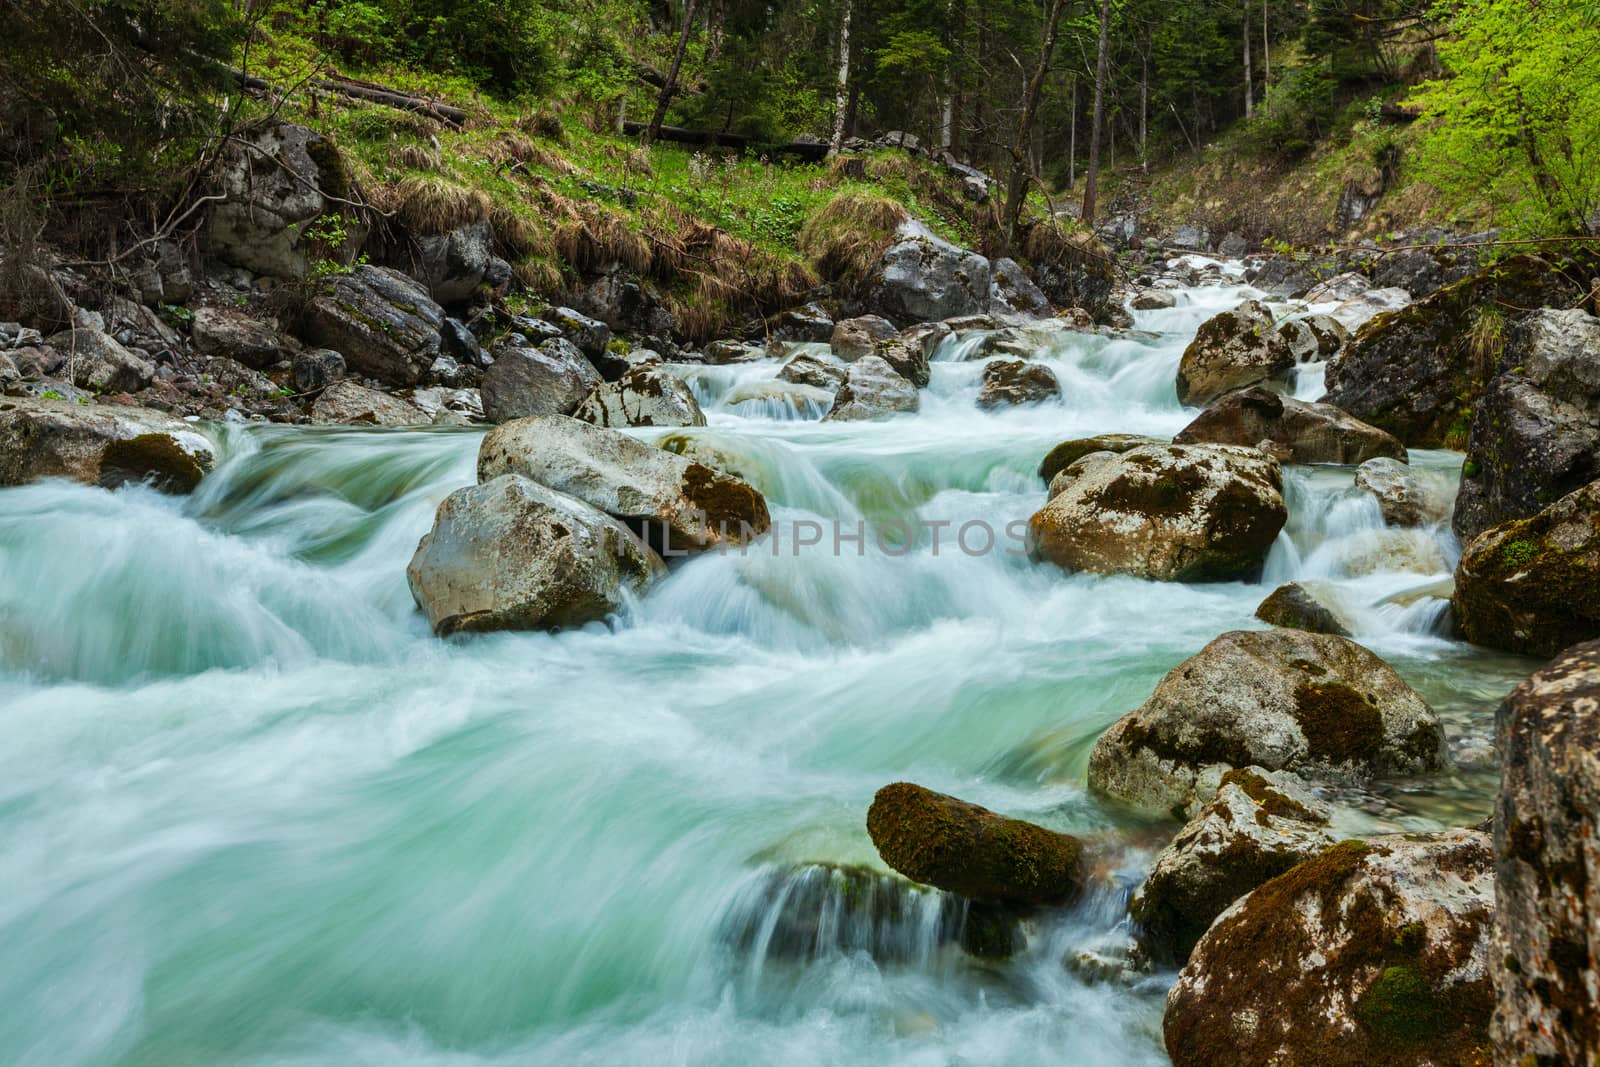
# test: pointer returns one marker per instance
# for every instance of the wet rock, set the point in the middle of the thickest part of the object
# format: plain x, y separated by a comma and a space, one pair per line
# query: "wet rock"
236, 381
591, 336
1153, 300
908, 360
817, 369
1547, 865
552, 379
382, 322
450, 265
449, 407
1404, 499
810, 323
1069, 452
1012, 291
923, 277
316, 368
1169, 513
678, 505
1009, 382
277, 182
1259, 824
723, 353
226, 332
938, 840
1336, 290
457, 341
1315, 338
645, 396
1373, 952
1419, 371
872, 390
1307, 432
1529, 585
1075, 470
1233, 350
511, 554
99, 444
854, 338
1283, 699
99, 362
1283, 276
926, 337
782, 399
1356, 313
1310, 606
349, 404
1536, 431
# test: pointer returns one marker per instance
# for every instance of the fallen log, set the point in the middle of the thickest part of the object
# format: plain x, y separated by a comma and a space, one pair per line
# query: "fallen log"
371, 93
803, 150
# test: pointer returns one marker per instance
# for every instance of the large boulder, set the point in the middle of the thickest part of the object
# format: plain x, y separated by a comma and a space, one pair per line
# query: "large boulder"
1536, 431
100, 363
923, 277
1260, 824
591, 336
1314, 338
1546, 959
1069, 452
1012, 291
645, 396
451, 265
1009, 382
1283, 699
218, 331
959, 847
1311, 606
1167, 512
854, 338
99, 444
1374, 952
679, 505
349, 404
1404, 497
384, 324
1530, 585
1357, 312
511, 554
552, 379
1303, 432
1339, 288
816, 369
872, 389
1419, 371
1230, 351
808, 324
276, 183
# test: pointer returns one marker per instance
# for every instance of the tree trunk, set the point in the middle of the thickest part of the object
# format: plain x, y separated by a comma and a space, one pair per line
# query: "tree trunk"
670, 89
1072, 138
1018, 181
1266, 51
1144, 114
1249, 89
841, 99
1096, 125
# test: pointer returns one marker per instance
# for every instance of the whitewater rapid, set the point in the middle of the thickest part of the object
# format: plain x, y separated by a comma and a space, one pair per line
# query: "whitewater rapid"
252, 812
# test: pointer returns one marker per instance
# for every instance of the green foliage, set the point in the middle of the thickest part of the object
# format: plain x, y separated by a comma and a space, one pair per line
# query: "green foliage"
1518, 122
1297, 112
327, 236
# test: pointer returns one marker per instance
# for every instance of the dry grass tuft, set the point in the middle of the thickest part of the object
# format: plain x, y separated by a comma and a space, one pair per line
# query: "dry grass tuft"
518, 236
848, 236
546, 124
429, 205
418, 157
1048, 243
538, 275
514, 148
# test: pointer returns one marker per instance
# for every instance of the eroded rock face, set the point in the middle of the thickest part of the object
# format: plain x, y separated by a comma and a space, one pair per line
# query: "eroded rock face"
349, 404
1283, 699
872, 390
278, 182
1536, 431
1546, 958
1166, 512
1069, 452
99, 444
938, 840
1233, 350
1260, 824
1530, 585
1311, 606
645, 396
1305, 432
1009, 382
1373, 952
678, 504
384, 324
854, 338
923, 278
511, 554
552, 379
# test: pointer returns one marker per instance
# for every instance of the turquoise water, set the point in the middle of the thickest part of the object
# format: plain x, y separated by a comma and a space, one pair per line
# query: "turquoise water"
251, 812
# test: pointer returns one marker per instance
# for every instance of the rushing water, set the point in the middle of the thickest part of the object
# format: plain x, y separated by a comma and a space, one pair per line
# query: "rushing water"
252, 813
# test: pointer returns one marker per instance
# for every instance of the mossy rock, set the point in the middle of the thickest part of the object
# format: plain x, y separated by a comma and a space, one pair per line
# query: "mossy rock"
1067, 453
1303, 606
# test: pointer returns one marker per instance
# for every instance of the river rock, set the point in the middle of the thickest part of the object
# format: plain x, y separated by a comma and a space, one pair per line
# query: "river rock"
1536, 431
99, 444
348, 404
1009, 382
384, 324
1356, 313
1069, 452
854, 338
923, 277
676, 503
1374, 952
1305, 432
1530, 585
938, 840
908, 360
1315, 338
820, 370
1012, 291
1418, 372
316, 368
1310, 606
276, 182
1260, 824
1153, 300
1282, 699
1169, 513
511, 554
226, 332
1338, 289
100, 363
552, 379
785, 399
872, 390
1235, 349
1546, 966
645, 396
451, 265
1403, 498
591, 336
927, 336
808, 324
1069, 474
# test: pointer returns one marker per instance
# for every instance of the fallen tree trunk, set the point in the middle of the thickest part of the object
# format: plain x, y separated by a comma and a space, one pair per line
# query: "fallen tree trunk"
804, 150
371, 93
